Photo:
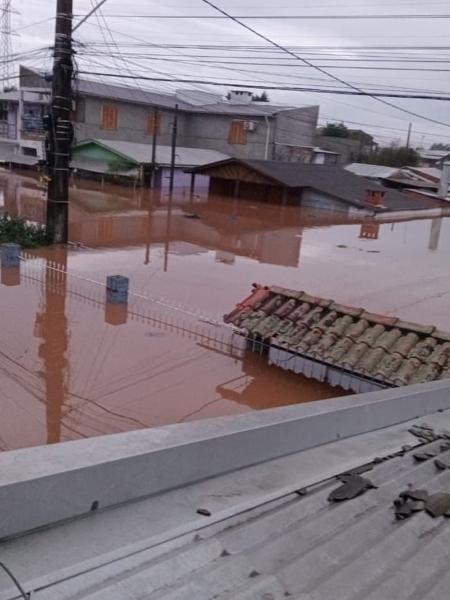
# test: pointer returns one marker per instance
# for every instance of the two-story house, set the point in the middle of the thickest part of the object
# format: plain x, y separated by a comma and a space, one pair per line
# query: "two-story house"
237, 127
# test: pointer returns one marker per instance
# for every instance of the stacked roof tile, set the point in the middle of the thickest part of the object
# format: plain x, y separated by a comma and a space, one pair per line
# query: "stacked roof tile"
383, 349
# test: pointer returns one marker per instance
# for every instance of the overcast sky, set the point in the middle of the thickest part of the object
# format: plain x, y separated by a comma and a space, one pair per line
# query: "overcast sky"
129, 27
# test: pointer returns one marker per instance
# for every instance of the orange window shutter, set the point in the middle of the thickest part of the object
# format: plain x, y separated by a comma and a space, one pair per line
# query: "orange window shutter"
154, 122
110, 117
237, 133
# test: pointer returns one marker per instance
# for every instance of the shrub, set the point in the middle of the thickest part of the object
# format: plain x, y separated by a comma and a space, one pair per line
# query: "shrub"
20, 231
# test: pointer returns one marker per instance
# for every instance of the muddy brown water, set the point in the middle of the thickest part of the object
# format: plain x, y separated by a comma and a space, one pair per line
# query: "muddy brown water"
73, 368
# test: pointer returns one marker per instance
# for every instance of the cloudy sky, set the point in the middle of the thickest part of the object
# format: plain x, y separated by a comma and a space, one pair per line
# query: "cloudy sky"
127, 38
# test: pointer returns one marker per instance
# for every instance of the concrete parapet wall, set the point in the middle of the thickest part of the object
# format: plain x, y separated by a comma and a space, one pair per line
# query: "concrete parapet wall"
44, 485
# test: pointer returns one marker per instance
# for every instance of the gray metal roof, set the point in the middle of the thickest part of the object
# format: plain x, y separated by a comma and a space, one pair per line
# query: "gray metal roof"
331, 180
434, 154
141, 153
372, 171
262, 540
138, 96
430, 173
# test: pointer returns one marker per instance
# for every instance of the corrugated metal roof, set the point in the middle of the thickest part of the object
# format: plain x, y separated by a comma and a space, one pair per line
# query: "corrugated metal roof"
372, 171
141, 153
309, 549
427, 172
138, 96
373, 347
297, 545
434, 154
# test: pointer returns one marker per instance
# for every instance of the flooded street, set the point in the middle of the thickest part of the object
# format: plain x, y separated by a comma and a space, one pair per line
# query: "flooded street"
72, 367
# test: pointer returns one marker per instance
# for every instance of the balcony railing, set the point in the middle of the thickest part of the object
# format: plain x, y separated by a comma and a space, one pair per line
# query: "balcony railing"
8, 131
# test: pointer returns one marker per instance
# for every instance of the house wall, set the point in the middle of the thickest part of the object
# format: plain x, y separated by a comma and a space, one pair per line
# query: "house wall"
296, 127
258, 192
349, 150
314, 199
195, 130
132, 122
183, 181
211, 132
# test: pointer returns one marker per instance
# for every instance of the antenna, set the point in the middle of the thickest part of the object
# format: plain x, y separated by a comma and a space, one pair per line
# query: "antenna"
5, 45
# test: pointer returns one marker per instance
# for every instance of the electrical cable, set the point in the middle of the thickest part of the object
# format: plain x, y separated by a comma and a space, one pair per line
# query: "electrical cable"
284, 89
320, 69
277, 17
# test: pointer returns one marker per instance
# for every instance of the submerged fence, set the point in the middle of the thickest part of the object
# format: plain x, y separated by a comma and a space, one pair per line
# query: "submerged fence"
161, 313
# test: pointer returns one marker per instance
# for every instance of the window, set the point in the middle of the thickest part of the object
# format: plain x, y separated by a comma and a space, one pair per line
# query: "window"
3, 111
27, 151
110, 117
154, 123
237, 133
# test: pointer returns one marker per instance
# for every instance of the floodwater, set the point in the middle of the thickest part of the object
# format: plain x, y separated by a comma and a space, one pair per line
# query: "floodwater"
73, 367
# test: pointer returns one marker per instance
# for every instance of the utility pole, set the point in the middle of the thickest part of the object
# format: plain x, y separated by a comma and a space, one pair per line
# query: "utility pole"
408, 139
60, 130
171, 185
174, 150
155, 118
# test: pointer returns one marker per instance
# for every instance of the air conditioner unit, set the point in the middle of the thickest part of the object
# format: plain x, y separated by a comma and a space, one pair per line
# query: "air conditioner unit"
249, 125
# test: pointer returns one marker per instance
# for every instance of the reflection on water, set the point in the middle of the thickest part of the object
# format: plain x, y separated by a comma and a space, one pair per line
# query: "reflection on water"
76, 367
73, 366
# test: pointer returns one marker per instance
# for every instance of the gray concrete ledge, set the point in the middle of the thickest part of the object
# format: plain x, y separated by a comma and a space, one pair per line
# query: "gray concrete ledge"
41, 486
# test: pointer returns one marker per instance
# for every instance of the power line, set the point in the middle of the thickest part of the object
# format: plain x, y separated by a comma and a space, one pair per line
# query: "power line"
278, 17
320, 69
272, 87
89, 14
217, 64
255, 73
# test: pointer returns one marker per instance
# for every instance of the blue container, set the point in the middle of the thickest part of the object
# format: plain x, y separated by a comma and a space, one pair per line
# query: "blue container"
117, 287
10, 255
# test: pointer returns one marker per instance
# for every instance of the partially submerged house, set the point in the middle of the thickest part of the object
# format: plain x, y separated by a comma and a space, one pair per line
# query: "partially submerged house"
237, 126
110, 158
423, 182
343, 345
318, 186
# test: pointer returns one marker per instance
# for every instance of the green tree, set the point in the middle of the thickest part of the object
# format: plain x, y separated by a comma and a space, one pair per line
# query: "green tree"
338, 130
392, 156
365, 139
263, 97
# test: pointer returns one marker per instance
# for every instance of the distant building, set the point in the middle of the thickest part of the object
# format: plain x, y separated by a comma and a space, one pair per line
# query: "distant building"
133, 161
235, 127
347, 149
417, 179
433, 158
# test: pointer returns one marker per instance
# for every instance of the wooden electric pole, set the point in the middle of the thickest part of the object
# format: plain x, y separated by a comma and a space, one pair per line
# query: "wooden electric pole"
60, 130
174, 151
155, 124
408, 138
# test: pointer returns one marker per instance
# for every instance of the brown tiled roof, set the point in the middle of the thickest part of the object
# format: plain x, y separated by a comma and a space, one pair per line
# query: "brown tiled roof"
380, 348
